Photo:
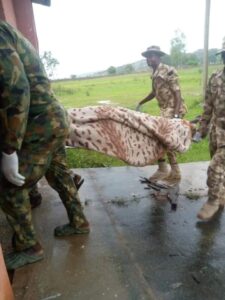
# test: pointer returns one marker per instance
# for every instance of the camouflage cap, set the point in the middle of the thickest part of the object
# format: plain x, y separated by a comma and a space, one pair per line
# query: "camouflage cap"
153, 50
221, 50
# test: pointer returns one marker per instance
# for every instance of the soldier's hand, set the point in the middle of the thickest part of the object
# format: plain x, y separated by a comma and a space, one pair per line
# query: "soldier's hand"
197, 137
10, 168
176, 116
138, 108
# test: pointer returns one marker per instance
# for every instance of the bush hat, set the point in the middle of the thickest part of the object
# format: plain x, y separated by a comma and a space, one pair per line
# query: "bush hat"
153, 50
221, 50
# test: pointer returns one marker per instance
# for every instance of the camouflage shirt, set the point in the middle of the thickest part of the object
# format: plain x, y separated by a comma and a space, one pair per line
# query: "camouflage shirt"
214, 106
29, 112
164, 85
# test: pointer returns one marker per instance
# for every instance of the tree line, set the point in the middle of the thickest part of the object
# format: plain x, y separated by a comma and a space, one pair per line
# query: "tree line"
178, 56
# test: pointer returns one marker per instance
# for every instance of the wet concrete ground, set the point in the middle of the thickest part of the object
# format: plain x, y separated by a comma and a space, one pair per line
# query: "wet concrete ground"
138, 247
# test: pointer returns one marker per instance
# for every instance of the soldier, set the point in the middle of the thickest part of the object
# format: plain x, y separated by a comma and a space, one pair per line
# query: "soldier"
33, 127
213, 120
165, 88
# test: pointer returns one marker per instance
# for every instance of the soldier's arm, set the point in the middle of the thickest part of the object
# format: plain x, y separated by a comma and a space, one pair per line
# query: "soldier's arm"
178, 99
174, 85
149, 97
14, 97
207, 110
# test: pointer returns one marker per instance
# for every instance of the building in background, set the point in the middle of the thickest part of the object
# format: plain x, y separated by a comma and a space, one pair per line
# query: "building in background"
19, 13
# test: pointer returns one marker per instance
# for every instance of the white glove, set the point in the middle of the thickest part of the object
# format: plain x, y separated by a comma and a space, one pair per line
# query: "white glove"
176, 117
138, 108
197, 137
10, 168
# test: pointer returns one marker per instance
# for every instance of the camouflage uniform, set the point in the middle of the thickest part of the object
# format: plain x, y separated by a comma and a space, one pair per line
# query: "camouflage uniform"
164, 85
33, 123
213, 118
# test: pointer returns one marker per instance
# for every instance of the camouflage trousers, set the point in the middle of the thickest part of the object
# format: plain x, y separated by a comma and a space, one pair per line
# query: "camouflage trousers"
49, 161
216, 171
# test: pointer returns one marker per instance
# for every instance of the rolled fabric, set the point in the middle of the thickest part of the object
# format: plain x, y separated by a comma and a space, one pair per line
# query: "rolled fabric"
134, 137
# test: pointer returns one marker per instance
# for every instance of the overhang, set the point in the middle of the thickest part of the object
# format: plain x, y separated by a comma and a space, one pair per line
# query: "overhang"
43, 2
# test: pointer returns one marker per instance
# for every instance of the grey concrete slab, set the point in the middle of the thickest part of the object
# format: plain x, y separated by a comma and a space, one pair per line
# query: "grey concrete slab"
138, 247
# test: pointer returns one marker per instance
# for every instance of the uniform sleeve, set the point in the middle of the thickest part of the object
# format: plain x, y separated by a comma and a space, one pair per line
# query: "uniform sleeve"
153, 87
14, 96
208, 107
173, 80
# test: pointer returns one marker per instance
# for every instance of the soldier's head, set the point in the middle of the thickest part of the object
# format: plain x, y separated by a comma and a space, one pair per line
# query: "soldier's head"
153, 55
222, 52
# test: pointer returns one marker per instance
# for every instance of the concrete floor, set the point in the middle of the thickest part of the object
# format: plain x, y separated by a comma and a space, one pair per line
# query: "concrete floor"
138, 247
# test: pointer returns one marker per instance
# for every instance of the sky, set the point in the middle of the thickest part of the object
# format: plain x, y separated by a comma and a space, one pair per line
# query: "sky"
91, 35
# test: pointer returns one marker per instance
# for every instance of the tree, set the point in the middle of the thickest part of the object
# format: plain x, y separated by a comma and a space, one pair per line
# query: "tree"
166, 59
49, 63
73, 77
129, 69
212, 57
111, 70
177, 50
191, 59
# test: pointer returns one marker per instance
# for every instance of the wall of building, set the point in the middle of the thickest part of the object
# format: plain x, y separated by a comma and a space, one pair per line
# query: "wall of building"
7, 11
19, 13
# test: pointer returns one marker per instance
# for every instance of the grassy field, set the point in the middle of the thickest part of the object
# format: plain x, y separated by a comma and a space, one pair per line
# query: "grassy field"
127, 91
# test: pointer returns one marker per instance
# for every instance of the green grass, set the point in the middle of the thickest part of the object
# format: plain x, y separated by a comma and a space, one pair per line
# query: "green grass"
81, 158
127, 91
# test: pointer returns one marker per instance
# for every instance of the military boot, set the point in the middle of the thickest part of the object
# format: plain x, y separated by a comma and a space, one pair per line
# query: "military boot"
69, 229
18, 259
209, 209
162, 171
174, 175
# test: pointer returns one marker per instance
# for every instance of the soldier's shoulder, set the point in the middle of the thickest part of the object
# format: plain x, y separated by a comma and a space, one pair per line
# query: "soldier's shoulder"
163, 70
169, 70
6, 32
215, 75
5, 26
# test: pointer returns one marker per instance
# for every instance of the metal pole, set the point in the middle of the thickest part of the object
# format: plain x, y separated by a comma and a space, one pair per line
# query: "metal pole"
206, 45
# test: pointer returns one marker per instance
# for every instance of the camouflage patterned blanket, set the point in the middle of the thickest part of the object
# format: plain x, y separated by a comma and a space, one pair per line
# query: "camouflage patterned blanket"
134, 137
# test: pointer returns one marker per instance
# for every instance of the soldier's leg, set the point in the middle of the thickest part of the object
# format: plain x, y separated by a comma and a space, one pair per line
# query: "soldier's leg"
212, 141
78, 180
216, 187
35, 197
162, 171
15, 203
175, 174
61, 179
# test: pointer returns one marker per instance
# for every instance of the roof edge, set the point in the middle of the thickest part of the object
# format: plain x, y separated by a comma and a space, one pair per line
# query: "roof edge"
42, 2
